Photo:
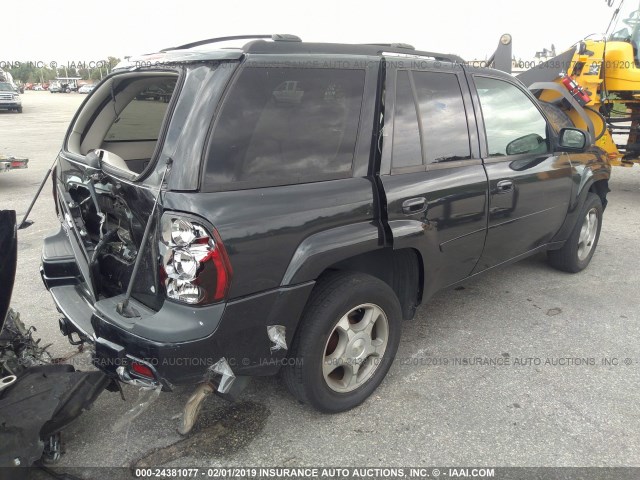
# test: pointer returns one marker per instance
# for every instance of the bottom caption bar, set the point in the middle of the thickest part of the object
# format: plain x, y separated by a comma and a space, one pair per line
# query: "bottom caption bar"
259, 473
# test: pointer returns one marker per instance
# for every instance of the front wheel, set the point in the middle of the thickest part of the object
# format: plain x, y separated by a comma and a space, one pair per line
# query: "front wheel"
579, 248
346, 342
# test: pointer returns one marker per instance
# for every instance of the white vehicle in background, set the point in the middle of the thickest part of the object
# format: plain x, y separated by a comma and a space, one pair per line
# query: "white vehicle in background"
86, 88
10, 98
64, 85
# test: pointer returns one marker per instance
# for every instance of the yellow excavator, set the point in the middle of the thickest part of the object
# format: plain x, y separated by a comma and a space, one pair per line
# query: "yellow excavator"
595, 85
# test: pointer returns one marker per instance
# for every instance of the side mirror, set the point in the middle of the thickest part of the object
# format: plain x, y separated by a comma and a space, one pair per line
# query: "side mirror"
532, 143
574, 140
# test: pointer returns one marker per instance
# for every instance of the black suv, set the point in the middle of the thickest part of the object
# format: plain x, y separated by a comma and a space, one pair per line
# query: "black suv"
294, 202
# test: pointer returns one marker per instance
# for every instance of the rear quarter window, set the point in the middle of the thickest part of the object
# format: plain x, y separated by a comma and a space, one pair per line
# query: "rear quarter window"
280, 126
142, 118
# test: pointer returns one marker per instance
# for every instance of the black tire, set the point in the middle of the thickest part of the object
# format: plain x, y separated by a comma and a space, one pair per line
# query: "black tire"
19, 109
568, 258
334, 296
558, 117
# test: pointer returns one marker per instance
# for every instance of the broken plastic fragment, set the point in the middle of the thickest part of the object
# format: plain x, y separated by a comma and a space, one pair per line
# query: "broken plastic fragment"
193, 406
278, 335
222, 368
146, 396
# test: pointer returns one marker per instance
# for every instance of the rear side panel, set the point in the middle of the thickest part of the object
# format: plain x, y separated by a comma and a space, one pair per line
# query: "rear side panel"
263, 228
298, 132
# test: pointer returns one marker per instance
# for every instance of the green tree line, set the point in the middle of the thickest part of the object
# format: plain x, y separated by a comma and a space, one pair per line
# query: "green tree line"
29, 72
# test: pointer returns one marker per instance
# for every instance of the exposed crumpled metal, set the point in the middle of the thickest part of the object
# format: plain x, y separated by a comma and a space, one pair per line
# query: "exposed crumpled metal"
278, 335
222, 368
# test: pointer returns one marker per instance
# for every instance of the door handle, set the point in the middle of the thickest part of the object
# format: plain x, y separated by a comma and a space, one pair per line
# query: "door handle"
504, 186
414, 205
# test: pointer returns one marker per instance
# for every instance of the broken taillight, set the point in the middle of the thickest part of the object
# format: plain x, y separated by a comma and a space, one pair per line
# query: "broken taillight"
195, 268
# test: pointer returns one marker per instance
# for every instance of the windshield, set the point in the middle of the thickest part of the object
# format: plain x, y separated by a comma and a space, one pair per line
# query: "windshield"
627, 23
6, 87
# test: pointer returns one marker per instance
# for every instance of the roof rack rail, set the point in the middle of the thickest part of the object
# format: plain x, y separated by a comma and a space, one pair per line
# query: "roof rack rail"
276, 37
393, 45
441, 57
399, 47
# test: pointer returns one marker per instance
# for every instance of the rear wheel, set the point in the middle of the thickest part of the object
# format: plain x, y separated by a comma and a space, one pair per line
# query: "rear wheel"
346, 342
579, 248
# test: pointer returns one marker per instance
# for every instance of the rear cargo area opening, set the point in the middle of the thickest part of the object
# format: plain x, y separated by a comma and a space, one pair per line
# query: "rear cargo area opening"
124, 117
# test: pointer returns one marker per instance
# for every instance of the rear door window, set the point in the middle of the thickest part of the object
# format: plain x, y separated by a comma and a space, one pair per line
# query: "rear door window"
444, 120
430, 121
407, 151
284, 125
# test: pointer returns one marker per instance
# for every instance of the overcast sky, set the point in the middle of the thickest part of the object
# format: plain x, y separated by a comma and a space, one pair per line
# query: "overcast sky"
87, 30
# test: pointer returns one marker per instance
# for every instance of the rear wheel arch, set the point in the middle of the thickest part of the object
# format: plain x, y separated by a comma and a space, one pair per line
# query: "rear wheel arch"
401, 270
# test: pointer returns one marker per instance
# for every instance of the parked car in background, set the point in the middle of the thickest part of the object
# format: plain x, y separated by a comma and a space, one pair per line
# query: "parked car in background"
10, 98
86, 88
12, 163
38, 88
64, 85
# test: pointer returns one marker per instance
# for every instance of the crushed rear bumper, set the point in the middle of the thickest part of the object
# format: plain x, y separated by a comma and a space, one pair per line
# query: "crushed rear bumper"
179, 343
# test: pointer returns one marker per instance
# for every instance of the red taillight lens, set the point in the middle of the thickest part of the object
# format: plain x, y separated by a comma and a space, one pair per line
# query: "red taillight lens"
142, 369
195, 268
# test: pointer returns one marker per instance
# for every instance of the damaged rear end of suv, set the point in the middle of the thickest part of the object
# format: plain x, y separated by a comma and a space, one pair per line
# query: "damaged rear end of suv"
130, 272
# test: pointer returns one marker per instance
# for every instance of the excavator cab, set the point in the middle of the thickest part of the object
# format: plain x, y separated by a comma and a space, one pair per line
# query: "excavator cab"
595, 85
630, 34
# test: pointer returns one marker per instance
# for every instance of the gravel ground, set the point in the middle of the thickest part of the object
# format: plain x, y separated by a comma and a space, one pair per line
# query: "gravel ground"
538, 410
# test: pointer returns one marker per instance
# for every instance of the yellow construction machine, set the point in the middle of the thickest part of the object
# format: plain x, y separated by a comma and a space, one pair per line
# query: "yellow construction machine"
595, 85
